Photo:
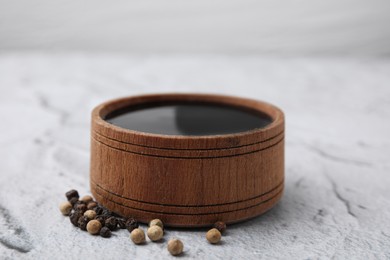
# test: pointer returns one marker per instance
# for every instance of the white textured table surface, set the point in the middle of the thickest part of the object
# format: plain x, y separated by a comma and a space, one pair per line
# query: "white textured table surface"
337, 195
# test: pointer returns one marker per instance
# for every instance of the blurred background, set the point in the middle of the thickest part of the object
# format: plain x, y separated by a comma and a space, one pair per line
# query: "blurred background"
299, 27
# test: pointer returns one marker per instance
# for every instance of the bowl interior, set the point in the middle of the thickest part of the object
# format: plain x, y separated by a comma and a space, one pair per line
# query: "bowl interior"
188, 118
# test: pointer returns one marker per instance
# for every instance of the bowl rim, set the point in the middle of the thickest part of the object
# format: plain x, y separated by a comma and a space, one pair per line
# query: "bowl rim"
177, 142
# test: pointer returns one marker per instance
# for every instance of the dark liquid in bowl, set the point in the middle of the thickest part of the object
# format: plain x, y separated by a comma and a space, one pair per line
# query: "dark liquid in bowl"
188, 119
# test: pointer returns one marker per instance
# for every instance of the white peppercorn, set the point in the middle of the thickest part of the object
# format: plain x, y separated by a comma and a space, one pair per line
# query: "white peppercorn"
137, 236
213, 236
90, 214
66, 208
155, 233
86, 198
175, 246
156, 222
94, 226
91, 205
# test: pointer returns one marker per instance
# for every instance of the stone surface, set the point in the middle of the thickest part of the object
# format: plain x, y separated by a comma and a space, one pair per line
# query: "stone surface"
337, 197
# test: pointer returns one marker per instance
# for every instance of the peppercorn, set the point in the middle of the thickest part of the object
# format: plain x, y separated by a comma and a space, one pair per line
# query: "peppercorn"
175, 246
80, 206
82, 222
91, 205
111, 223
131, 224
105, 232
78, 202
94, 226
86, 199
156, 222
65, 208
101, 219
213, 236
73, 200
74, 217
72, 194
99, 210
155, 233
90, 214
137, 236
221, 226
106, 212
121, 223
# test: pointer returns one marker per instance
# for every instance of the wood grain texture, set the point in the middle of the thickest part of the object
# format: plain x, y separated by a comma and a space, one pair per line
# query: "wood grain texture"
186, 180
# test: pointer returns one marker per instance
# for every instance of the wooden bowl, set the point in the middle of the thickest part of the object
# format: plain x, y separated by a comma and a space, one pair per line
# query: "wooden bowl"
187, 181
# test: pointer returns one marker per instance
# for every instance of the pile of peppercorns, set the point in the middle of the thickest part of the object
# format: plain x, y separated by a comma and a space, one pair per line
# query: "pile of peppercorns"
88, 215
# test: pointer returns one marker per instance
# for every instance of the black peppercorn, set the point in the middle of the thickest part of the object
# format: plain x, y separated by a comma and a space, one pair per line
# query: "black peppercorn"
221, 226
105, 232
131, 224
121, 223
111, 223
78, 202
91, 205
101, 219
98, 210
82, 222
106, 212
80, 206
73, 200
74, 217
72, 194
